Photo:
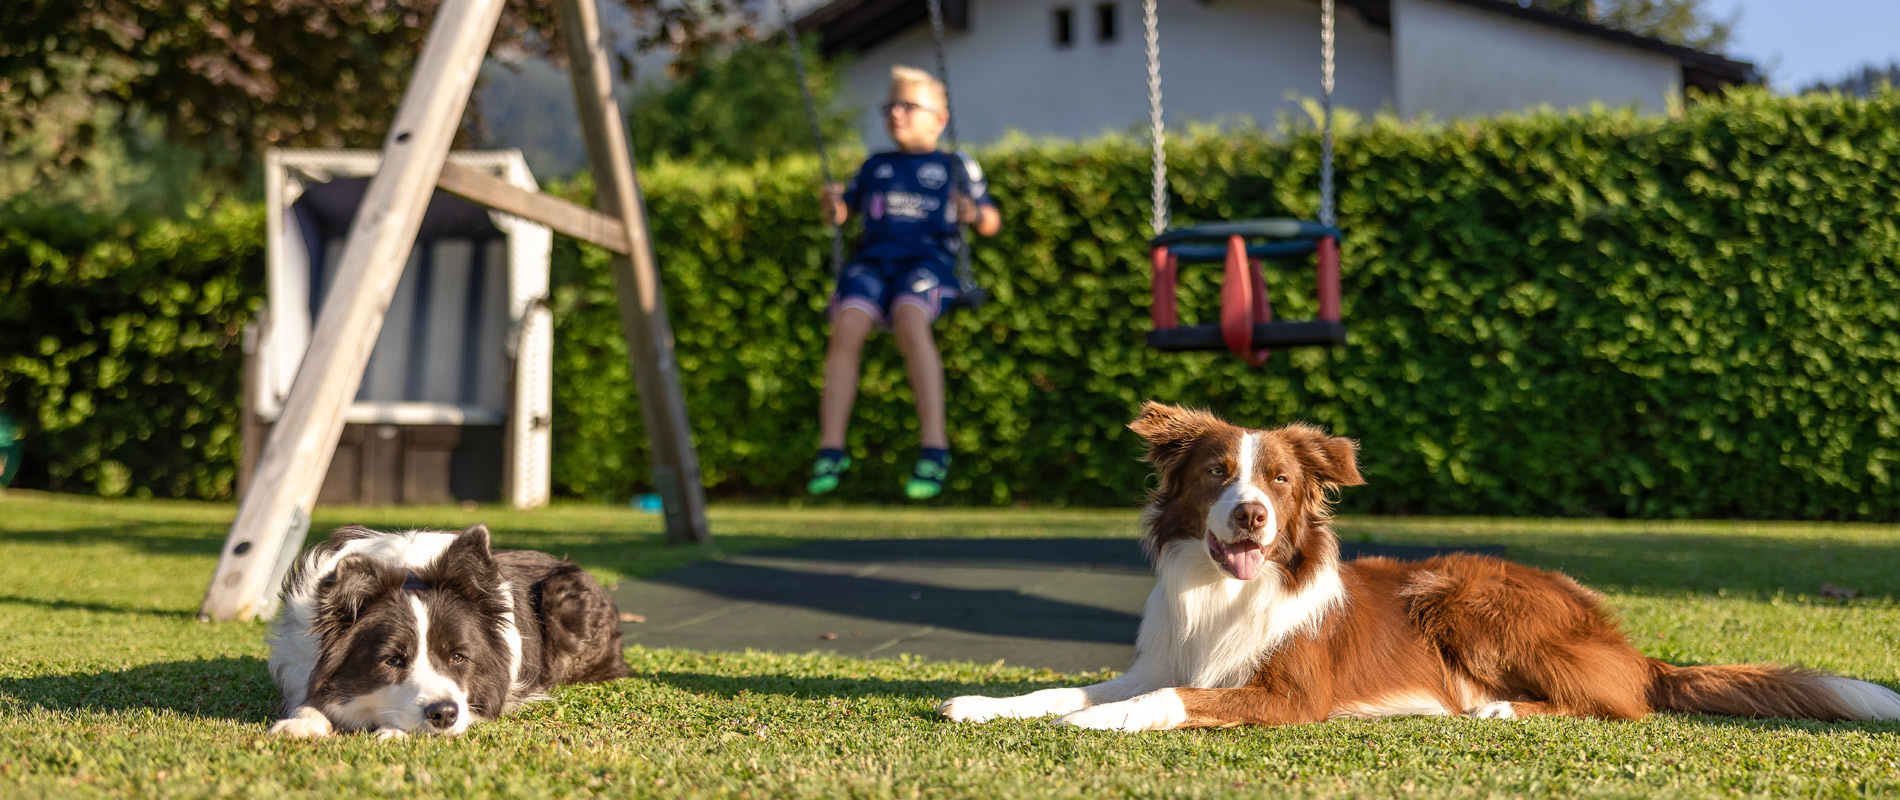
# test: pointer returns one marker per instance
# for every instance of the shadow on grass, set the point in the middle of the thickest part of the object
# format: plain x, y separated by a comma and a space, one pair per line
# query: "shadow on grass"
100, 608
157, 538
233, 688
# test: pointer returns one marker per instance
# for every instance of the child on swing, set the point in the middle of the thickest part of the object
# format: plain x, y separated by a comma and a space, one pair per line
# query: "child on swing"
904, 274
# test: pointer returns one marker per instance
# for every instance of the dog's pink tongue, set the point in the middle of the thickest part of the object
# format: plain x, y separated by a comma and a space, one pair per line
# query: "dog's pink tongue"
1242, 560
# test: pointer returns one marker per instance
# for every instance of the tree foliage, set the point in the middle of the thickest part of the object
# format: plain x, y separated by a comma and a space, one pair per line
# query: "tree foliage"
230, 77
1867, 81
741, 103
1683, 22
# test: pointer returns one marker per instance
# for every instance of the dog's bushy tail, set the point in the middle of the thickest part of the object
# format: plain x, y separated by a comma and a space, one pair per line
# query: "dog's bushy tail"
1755, 690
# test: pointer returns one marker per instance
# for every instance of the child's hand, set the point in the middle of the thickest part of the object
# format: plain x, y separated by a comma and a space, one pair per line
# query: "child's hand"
832, 195
984, 219
966, 208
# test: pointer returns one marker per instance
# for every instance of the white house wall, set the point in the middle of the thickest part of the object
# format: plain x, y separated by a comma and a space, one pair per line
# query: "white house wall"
1456, 61
1220, 61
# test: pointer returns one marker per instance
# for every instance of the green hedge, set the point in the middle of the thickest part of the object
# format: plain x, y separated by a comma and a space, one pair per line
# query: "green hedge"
1605, 314
1598, 314
119, 347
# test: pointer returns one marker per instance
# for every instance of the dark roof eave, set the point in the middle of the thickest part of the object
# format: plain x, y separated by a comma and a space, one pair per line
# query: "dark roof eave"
845, 25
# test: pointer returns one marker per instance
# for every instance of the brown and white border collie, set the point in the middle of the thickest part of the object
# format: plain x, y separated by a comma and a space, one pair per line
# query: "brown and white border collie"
1254, 619
430, 631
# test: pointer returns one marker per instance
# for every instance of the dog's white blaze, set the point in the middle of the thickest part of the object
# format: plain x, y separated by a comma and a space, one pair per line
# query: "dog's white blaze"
1220, 513
429, 685
1408, 704
1864, 700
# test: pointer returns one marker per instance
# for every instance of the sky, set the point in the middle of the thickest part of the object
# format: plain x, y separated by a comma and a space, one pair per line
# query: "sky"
1799, 42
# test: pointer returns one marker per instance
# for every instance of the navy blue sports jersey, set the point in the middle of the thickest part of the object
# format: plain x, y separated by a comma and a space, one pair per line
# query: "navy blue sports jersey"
904, 200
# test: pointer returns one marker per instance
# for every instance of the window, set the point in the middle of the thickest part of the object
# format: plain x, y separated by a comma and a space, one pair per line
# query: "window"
1065, 27
1105, 22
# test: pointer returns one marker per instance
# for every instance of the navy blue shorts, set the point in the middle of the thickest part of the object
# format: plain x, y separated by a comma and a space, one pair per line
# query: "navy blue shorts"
878, 287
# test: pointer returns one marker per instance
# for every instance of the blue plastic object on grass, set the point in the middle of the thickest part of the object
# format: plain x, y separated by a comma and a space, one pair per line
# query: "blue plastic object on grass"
9, 450
649, 503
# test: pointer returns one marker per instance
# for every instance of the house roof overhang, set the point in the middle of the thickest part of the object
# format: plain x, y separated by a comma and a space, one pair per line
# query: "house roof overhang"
854, 25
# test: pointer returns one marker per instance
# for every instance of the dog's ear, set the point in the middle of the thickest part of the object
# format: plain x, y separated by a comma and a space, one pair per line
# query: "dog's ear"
1329, 460
352, 585
466, 565
1170, 430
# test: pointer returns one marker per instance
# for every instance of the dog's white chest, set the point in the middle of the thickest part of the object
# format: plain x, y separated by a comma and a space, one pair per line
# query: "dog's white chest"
1207, 630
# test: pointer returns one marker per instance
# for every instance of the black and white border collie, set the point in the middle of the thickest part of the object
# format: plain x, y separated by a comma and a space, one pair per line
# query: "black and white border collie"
429, 631
1254, 619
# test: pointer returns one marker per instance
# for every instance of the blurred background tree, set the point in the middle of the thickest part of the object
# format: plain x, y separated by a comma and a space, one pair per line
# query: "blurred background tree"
113, 91
740, 102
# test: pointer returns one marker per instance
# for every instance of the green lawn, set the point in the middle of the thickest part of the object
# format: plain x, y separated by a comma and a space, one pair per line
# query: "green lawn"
109, 687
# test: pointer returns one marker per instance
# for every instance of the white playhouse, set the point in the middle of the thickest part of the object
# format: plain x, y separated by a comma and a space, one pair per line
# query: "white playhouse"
457, 399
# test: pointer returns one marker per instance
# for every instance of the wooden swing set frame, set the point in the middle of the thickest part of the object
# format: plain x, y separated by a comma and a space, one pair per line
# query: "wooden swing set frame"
274, 516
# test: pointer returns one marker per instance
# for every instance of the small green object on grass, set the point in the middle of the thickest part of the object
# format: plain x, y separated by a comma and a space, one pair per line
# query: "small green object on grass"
9, 450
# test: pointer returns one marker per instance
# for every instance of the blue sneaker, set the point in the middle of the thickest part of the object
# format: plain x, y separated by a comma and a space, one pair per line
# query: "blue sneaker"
825, 473
926, 479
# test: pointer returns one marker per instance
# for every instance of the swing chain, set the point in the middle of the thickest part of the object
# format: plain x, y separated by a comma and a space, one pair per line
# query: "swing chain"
943, 69
817, 133
973, 295
1157, 135
1326, 216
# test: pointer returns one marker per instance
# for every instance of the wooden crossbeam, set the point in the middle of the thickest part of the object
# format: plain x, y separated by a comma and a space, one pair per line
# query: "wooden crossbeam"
562, 216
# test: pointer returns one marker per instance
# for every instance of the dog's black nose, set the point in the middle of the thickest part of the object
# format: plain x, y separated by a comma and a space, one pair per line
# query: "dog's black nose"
441, 714
1250, 516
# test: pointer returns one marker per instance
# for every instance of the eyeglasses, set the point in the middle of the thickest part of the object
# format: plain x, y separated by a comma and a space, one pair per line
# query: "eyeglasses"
906, 107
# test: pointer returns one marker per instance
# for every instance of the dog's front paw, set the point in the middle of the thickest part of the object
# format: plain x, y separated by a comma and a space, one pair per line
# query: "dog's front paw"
307, 723
973, 708
386, 734
1157, 711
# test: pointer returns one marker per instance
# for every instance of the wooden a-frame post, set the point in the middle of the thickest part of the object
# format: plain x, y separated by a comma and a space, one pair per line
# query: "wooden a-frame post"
274, 516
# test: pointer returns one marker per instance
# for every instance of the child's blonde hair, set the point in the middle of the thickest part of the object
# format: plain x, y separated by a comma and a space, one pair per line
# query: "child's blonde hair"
902, 76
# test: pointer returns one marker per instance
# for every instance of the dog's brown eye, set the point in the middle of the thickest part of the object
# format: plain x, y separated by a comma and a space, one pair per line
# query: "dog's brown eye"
397, 662
1281, 479
457, 658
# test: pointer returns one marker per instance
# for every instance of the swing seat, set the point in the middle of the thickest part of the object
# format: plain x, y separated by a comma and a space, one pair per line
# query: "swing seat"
1247, 327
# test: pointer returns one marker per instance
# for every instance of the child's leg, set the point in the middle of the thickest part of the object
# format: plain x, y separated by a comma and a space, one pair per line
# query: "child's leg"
925, 365
848, 331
